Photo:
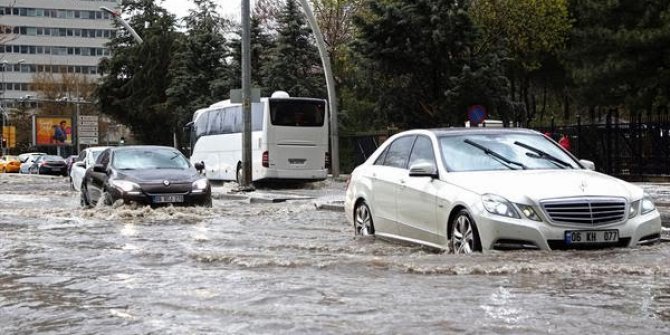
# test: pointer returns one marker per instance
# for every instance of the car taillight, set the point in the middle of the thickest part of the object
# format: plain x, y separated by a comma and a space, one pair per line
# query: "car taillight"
327, 160
266, 159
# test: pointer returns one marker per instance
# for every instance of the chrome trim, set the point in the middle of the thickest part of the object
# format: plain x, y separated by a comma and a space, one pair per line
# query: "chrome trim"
585, 211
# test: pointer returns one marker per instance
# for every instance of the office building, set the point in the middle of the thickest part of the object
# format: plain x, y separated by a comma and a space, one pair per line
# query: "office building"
52, 36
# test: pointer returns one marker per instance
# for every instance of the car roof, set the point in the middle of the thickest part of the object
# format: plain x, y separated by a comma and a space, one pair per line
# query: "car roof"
470, 131
142, 147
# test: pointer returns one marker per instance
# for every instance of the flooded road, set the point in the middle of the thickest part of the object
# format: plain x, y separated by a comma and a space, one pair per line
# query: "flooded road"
279, 268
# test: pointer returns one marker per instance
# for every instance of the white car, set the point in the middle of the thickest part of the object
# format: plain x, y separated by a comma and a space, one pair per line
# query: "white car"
27, 160
468, 190
85, 160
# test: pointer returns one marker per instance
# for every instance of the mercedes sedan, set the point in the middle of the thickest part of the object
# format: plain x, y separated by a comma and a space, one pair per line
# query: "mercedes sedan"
151, 175
468, 190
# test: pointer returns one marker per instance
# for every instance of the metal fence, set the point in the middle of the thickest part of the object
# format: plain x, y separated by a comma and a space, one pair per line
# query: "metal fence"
632, 150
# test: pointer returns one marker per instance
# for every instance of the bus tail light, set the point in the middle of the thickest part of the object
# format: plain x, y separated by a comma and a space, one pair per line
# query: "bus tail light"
266, 159
327, 160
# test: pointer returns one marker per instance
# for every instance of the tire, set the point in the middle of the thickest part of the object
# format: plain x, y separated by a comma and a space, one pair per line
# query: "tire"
464, 234
83, 198
363, 225
207, 203
107, 199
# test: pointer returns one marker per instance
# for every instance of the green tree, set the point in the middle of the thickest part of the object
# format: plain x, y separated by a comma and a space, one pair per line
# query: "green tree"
534, 33
261, 44
134, 84
198, 69
421, 58
293, 65
618, 51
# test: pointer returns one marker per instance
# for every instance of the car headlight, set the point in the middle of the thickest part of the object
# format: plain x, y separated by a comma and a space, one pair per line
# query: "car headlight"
634, 209
125, 186
495, 204
529, 212
647, 205
200, 184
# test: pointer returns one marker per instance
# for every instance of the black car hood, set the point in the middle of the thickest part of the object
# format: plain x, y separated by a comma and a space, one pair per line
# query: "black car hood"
159, 175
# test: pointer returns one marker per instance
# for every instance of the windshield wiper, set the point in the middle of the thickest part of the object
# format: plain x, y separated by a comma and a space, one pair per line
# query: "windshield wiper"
543, 155
508, 162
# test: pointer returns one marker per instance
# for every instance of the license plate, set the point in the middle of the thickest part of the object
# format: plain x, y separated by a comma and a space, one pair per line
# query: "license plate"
297, 161
591, 236
166, 198
55, 169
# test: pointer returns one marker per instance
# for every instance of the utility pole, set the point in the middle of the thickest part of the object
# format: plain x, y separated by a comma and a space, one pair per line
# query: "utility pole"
246, 97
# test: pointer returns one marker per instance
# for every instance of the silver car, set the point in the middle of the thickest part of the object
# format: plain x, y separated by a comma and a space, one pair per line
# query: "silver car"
27, 160
85, 160
469, 190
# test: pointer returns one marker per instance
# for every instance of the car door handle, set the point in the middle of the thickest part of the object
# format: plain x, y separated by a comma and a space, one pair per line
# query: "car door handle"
402, 181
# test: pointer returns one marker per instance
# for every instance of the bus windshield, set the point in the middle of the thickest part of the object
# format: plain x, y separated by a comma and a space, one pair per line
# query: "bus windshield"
297, 113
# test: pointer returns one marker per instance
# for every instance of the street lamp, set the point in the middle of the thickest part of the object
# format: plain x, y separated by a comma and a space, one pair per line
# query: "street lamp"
117, 16
3, 149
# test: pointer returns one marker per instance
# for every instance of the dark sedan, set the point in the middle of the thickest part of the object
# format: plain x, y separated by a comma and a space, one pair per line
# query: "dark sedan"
151, 175
49, 164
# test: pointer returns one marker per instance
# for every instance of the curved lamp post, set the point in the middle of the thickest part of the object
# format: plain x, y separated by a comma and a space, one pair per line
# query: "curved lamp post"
330, 86
117, 16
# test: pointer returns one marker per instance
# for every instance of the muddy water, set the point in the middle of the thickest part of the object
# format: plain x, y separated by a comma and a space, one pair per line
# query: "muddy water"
278, 268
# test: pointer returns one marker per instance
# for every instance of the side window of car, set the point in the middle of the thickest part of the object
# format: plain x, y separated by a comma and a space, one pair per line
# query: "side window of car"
398, 152
422, 151
380, 159
81, 156
103, 158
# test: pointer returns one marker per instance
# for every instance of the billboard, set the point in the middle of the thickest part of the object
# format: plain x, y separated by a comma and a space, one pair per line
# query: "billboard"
9, 135
53, 130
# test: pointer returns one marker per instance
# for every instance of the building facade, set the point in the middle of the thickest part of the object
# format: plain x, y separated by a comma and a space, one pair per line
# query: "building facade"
52, 36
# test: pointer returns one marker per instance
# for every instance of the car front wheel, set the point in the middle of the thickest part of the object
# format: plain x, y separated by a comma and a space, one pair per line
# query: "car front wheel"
464, 234
363, 224
83, 198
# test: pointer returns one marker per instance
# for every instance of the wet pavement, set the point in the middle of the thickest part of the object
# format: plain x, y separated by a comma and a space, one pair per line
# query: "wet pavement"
281, 264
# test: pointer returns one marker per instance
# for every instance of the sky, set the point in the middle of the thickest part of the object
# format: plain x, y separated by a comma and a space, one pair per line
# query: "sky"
227, 8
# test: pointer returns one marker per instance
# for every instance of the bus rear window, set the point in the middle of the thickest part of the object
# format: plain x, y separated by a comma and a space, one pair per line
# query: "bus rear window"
297, 113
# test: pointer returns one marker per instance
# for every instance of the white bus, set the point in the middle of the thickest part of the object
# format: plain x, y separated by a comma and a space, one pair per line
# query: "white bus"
289, 139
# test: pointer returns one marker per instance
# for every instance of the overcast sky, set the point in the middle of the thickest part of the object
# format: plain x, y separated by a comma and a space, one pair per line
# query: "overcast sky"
227, 8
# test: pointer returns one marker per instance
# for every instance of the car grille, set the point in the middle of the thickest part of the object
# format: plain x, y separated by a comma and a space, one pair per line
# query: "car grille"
586, 211
160, 188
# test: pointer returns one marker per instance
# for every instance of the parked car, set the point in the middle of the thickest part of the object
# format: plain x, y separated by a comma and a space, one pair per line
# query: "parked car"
469, 190
152, 175
27, 159
85, 160
49, 164
9, 164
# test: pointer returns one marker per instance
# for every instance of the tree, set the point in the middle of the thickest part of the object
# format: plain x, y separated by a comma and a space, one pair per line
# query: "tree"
617, 53
261, 44
135, 81
533, 32
198, 70
293, 65
421, 55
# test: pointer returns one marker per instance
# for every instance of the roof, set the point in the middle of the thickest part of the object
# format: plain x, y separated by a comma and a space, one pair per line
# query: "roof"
480, 130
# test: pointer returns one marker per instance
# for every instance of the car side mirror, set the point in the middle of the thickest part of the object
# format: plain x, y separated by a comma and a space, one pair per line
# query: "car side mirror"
80, 164
99, 168
423, 169
588, 164
200, 166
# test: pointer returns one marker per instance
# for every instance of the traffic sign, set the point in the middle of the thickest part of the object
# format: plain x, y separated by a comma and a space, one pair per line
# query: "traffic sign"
88, 118
88, 134
88, 140
476, 114
85, 128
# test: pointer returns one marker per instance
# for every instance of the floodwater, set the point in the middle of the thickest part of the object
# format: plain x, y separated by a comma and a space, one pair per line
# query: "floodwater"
287, 268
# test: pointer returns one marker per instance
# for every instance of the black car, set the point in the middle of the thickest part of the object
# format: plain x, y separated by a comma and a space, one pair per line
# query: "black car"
49, 164
151, 175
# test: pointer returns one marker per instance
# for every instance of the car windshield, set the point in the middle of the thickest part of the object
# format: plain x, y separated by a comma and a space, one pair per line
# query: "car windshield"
51, 158
502, 151
149, 159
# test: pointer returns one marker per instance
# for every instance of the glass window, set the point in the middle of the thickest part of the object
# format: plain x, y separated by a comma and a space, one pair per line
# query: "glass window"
297, 112
380, 159
144, 159
467, 152
398, 152
422, 151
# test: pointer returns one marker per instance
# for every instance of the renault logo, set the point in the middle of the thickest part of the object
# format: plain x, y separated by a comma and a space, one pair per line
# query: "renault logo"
166, 182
